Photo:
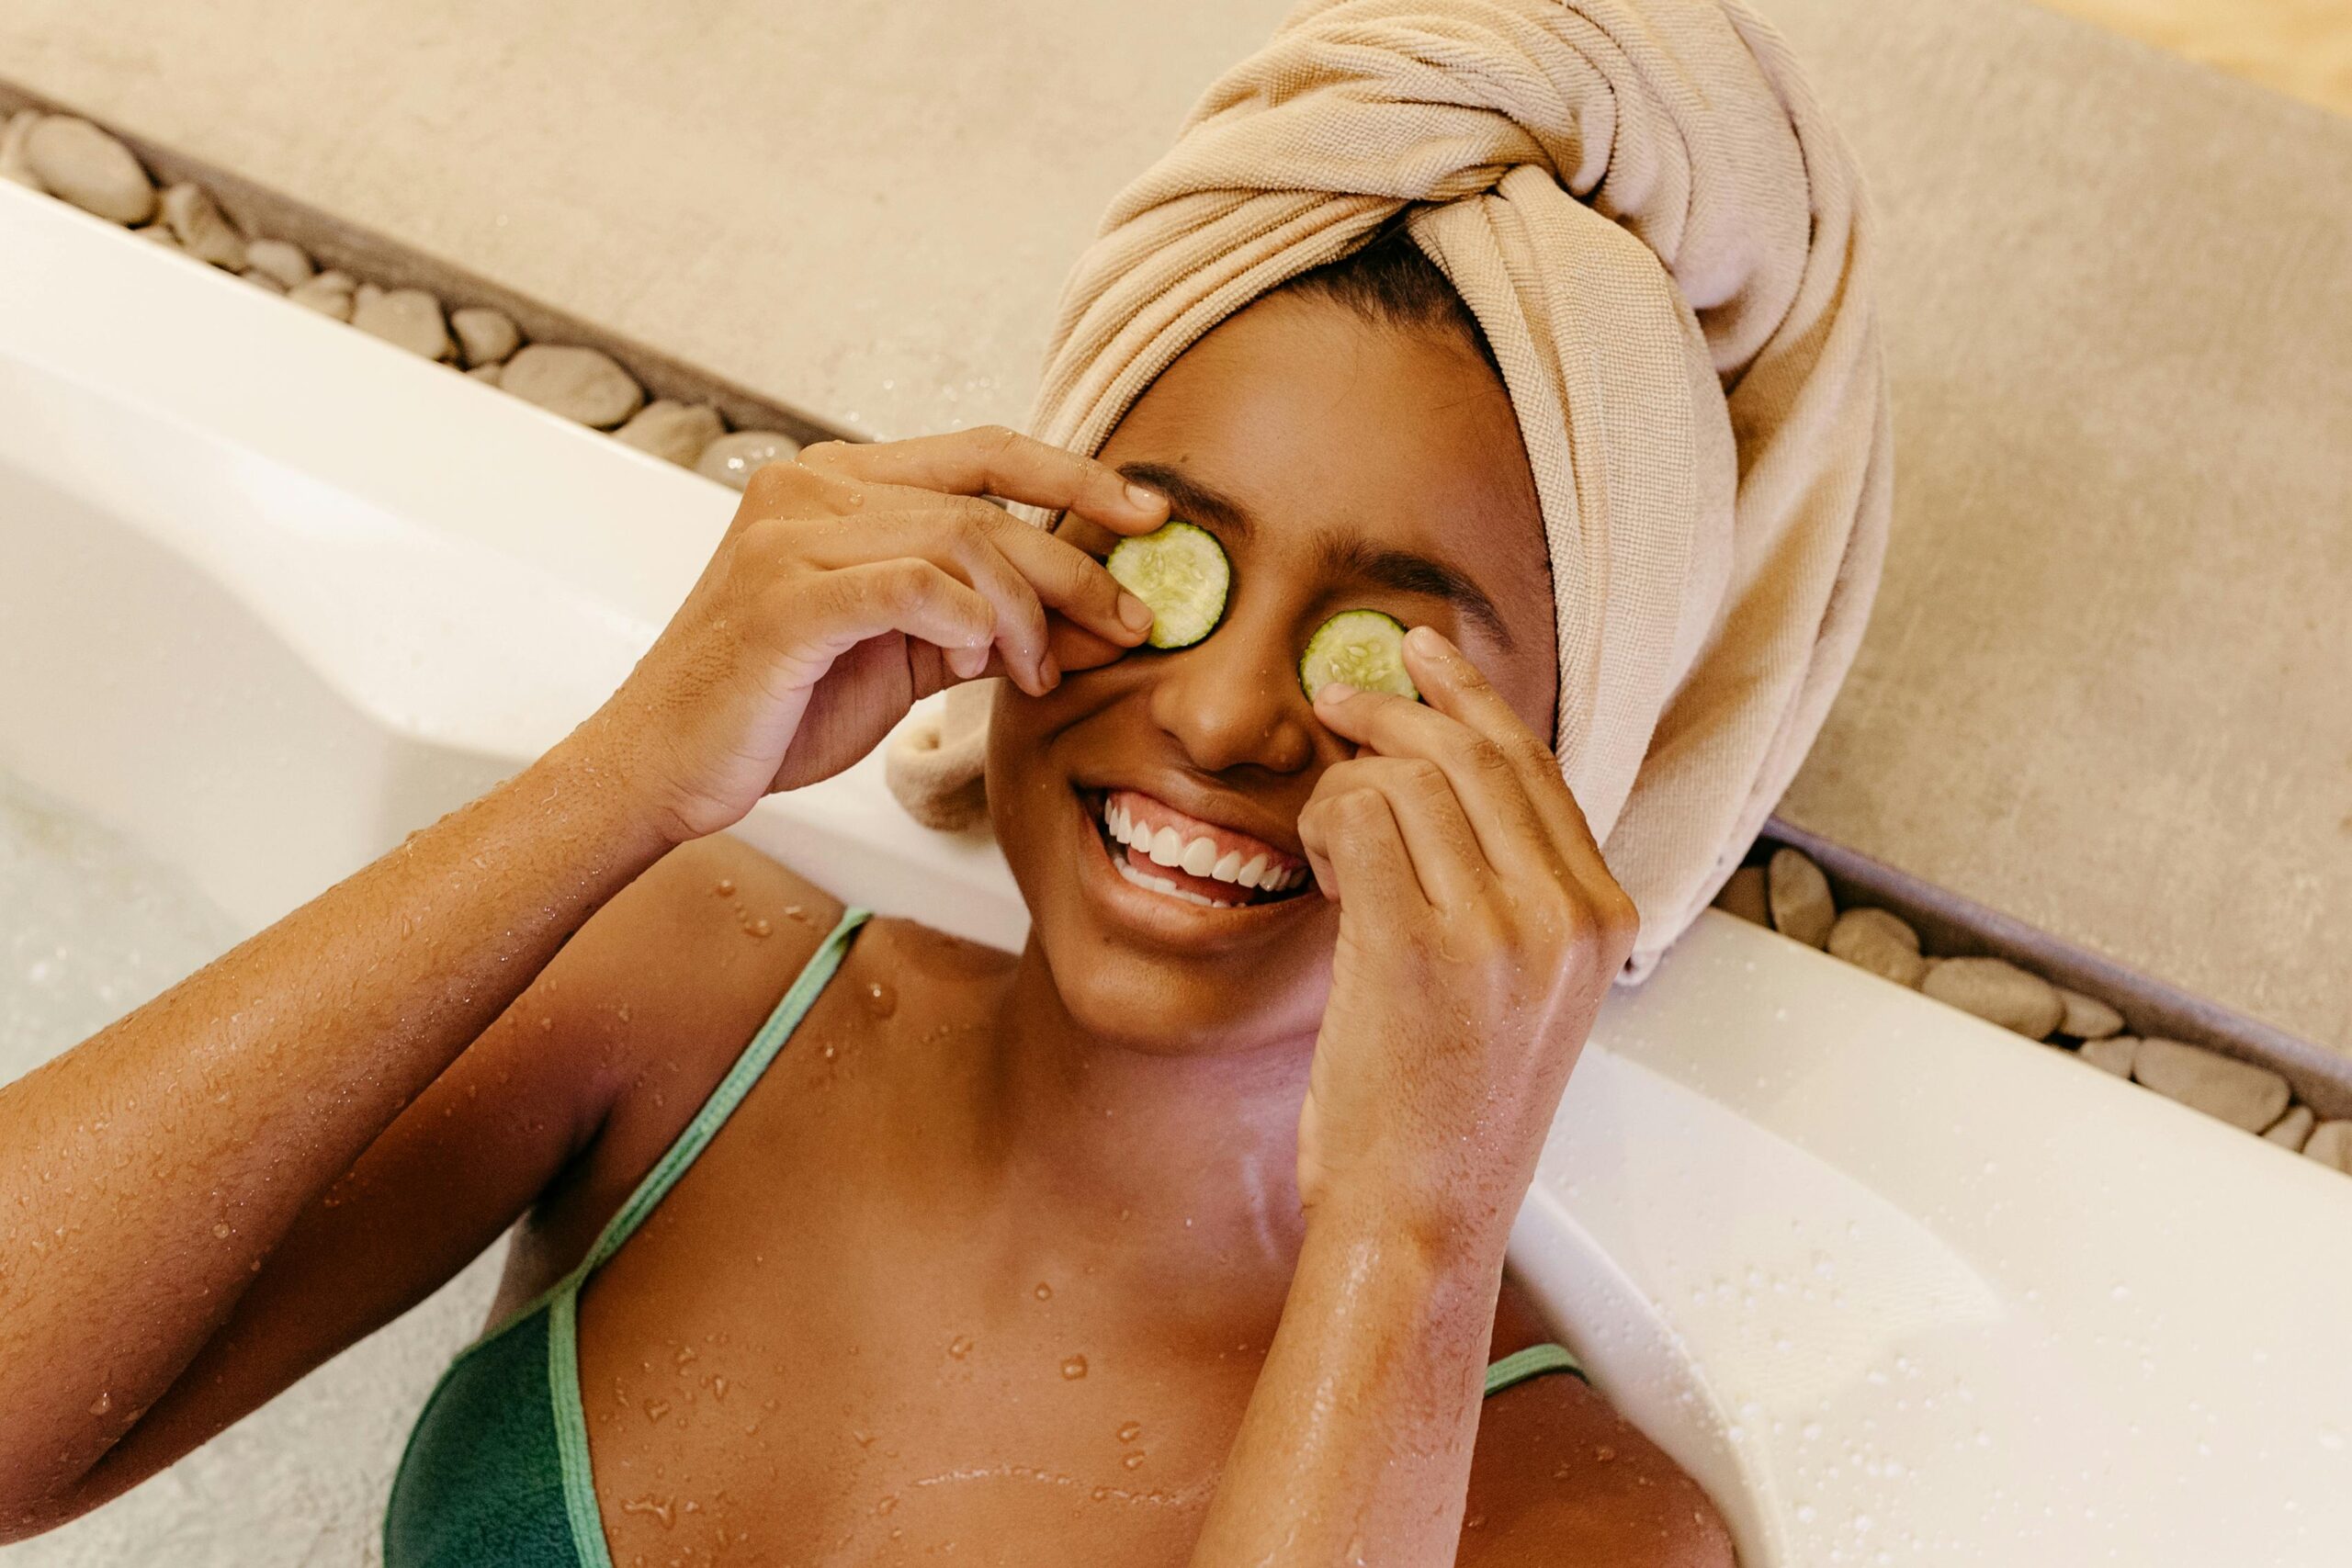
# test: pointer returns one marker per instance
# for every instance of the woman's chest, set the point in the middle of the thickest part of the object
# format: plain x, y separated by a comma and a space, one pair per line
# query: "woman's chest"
819, 1375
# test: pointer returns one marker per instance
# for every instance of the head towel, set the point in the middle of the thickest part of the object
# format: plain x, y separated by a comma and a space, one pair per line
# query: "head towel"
1668, 247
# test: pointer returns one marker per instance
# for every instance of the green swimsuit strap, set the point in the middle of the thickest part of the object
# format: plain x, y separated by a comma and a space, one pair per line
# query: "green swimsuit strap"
1535, 1362
730, 1093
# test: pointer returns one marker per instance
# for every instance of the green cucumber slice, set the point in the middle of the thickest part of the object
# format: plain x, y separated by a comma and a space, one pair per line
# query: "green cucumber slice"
1181, 571
1364, 648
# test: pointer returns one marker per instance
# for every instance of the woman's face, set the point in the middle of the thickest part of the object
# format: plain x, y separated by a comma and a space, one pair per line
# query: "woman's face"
1342, 464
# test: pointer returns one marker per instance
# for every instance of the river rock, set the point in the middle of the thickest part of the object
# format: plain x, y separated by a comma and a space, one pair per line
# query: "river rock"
204, 232
13, 165
160, 234
75, 159
486, 337
261, 279
1880, 941
2087, 1018
2290, 1130
486, 374
1998, 991
408, 316
281, 259
2238, 1092
364, 293
329, 294
2112, 1054
586, 384
730, 459
1745, 895
678, 431
1799, 895
2331, 1143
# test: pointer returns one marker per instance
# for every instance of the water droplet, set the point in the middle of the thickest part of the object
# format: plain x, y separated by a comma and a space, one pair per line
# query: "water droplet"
100, 1406
623, 1012
221, 1231
664, 1513
795, 912
1045, 1292
726, 888
1604, 1453
1131, 1431
686, 1353
887, 1505
758, 928
1074, 1368
959, 1347
656, 1409
881, 997
1133, 1461
865, 1439
717, 1388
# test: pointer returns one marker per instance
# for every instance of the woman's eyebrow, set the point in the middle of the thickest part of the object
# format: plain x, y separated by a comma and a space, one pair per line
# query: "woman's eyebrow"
1341, 555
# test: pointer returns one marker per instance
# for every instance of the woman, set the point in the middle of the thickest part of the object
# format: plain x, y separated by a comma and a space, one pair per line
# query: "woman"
1179, 1236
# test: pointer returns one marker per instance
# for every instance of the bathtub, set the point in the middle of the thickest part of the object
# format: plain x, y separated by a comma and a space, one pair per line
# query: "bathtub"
1897, 1285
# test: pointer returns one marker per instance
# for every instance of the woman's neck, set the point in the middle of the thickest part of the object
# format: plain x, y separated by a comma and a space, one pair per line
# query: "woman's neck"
1193, 1155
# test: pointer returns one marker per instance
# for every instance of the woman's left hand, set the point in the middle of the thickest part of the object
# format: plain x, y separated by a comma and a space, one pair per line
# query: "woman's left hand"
1479, 930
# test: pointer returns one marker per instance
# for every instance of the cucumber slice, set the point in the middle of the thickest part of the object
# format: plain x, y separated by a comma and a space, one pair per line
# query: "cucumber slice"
1364, 648
1181, 571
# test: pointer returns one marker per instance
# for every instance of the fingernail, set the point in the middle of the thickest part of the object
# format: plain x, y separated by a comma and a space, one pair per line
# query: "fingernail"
1135, 613
1334, 690
1426, 640
1142, 499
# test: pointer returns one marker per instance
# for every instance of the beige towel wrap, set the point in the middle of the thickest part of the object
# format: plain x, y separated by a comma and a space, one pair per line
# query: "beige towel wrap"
1668, 247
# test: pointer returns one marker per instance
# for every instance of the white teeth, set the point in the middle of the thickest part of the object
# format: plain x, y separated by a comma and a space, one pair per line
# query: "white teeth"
1200, 857
1252, 875
1167, 849
1161, 884
1229, 868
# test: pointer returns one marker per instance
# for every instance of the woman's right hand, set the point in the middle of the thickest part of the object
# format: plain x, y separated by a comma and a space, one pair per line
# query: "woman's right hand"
850, 584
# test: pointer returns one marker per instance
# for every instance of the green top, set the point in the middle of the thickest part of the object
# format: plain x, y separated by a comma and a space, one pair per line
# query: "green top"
496, 1475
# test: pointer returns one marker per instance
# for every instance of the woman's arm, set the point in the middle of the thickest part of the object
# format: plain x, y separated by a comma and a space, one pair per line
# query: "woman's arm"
1479, 931
148, 1175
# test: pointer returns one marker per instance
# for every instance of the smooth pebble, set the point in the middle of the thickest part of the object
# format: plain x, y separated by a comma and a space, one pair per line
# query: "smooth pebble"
329, 294
74, 158
13, 165
2087, 1018
1744, 896
261, 279
486, 374
678, 431
2112, 1054
1802, 907
586, 384
407, 317
281, 259
486, 337
2331, 1143
2291, 1131
204, 232
1880, 941
2238, 1092
730, 459
1999, 992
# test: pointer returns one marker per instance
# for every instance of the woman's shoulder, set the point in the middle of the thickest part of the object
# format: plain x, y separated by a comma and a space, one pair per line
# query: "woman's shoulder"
1560, 1476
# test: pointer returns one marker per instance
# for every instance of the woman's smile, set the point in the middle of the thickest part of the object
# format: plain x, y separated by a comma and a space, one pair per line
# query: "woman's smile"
1139, 853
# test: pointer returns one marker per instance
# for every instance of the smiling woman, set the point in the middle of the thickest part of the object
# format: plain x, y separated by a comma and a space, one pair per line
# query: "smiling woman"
1178, 1236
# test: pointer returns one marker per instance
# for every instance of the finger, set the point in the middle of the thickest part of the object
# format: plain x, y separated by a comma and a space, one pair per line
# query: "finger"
993, 460
788, 489
953, 541
1512, 833
1447, 860
1462, 689
1065, 578
903, 595
1359, 851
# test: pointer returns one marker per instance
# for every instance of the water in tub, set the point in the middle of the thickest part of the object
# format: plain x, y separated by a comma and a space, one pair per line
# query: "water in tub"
89, 929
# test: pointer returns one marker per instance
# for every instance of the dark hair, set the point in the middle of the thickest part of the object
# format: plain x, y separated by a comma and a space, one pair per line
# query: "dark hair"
1391, 282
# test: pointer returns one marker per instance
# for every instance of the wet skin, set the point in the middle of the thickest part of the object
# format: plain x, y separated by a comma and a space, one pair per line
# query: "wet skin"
995, 1252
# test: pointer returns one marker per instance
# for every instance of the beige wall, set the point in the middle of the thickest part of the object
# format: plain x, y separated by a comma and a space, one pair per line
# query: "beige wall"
2302, 47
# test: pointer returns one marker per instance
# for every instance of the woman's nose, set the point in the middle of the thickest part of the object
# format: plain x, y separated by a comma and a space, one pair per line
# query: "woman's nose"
1232, 700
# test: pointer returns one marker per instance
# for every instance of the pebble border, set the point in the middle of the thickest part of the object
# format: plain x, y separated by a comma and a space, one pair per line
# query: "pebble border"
75, 161
1789, 893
